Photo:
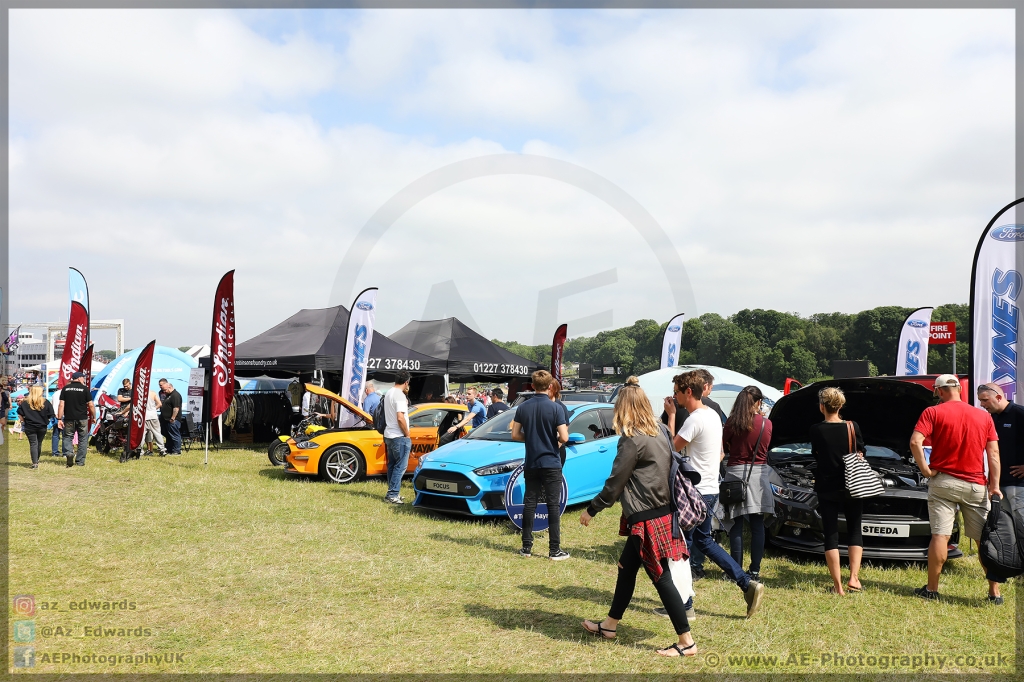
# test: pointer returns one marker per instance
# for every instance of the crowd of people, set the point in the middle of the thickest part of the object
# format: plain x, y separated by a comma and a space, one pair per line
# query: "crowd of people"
695, 438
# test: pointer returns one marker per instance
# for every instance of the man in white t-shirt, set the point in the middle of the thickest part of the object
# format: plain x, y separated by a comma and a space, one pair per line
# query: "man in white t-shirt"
701, 436
396, 435
153, 434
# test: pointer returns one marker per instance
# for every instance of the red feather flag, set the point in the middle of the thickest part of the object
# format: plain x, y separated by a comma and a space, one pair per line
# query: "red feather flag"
222, 347
74, 344
140, 393
87, 366
556, 352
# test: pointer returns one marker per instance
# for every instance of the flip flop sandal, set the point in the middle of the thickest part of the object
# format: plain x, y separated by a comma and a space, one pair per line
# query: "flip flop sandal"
851, 588
680, 650
600, 631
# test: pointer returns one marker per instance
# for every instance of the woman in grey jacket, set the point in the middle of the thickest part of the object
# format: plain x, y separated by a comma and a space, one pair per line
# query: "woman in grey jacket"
640, 481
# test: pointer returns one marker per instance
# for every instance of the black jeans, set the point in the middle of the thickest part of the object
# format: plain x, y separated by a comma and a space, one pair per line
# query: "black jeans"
756, 522
853, 508
35, 442
630, 563
546, 483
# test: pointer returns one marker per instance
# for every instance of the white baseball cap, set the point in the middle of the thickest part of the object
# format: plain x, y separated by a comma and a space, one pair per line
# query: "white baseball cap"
947, 381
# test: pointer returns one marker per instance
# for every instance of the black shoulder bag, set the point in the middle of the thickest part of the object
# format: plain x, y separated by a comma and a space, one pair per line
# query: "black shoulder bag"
733, 489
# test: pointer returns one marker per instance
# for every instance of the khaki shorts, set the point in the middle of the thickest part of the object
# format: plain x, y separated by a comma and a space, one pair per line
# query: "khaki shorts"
945, 494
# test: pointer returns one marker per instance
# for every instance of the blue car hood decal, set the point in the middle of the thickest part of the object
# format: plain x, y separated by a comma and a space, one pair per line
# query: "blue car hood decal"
475, 453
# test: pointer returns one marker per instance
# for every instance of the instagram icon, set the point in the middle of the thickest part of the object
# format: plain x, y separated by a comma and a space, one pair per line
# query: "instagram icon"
24, 605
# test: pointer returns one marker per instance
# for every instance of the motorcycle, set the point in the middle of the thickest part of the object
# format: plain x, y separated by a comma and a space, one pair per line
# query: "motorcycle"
112, 432
303, 431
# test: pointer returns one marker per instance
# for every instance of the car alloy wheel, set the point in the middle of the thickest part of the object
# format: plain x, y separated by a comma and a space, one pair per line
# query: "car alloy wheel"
277, 453
343, 464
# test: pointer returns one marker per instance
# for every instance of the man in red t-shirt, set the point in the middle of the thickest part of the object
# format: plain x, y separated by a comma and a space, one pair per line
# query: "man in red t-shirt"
961, 436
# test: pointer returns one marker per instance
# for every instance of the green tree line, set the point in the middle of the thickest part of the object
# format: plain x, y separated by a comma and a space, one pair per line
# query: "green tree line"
766, 344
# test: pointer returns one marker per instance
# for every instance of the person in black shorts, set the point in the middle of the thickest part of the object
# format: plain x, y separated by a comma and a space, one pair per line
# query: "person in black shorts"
830, 440
73, 415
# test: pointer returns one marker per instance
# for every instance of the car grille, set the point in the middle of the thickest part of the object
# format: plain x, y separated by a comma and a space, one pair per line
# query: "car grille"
896, 506
466, 487
442, 503
493, 500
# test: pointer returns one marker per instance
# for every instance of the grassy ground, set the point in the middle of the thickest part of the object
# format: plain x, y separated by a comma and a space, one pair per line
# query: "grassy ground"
239, 569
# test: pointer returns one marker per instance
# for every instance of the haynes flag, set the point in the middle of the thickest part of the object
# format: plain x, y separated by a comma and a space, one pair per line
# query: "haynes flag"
358, 337
222, 347
997, 279
672, 341
140, 394
557, 344
912, 351
74, 344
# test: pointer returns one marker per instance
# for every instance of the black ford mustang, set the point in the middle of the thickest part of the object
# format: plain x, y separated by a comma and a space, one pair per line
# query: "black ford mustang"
895, 524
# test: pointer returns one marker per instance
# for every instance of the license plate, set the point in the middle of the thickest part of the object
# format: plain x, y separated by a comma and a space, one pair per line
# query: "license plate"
886, 530
443, 486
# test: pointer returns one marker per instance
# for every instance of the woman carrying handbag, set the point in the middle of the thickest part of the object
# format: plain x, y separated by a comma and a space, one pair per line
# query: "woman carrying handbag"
831, 440
746, 490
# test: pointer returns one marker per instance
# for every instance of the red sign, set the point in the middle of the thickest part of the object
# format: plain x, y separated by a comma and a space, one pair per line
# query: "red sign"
222, 347
87, 366
74, 344
942, 333
140, 394
557, 344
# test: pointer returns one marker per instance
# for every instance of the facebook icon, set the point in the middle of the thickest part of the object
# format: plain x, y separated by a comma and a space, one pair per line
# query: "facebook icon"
24, 657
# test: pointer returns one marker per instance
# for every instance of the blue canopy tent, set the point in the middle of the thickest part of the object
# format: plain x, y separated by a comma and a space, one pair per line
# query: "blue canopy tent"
168, 363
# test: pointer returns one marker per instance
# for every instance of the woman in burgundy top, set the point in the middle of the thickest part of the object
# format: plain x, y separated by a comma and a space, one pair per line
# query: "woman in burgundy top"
745, 440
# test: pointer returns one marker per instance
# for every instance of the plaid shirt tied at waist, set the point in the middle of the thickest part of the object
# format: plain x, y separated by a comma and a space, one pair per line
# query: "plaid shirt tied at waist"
656, 542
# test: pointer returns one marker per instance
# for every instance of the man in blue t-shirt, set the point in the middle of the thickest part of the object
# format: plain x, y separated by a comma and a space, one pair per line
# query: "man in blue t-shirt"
477, 412
371, 399
540, 423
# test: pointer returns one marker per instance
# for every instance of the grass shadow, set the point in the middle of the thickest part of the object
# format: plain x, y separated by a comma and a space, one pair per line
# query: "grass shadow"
560, 626
589, 594
276, 473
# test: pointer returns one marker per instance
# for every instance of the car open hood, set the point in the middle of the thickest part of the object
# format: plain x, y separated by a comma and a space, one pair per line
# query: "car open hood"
886, 410
476, 453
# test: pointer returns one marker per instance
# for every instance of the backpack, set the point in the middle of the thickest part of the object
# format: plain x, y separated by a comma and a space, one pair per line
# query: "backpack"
688, 508
1000, 548
380, 417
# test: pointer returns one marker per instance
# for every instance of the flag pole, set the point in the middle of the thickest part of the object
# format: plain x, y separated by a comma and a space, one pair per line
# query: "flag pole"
206, 456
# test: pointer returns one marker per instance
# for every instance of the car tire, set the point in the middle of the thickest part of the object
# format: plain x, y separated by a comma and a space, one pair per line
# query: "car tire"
342, 464
277, 452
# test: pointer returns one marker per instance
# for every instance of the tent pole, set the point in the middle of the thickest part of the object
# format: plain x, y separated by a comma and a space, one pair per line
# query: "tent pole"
206, 457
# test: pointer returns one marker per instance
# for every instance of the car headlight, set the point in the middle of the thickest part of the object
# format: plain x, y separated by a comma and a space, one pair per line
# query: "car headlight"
779, 491
495, 469
307, 445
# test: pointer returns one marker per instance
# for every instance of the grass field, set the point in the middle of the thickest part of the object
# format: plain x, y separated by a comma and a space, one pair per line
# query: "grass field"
237, 568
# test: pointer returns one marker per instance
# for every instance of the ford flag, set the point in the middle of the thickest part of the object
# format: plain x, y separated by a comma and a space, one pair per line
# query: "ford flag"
673, 339
912, 352
357, 348
222, 347
557, 344
140, 394
74, 344
996, 284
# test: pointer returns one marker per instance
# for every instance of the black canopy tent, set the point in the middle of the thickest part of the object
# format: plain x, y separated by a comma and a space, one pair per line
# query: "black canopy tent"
467, 355
314, 339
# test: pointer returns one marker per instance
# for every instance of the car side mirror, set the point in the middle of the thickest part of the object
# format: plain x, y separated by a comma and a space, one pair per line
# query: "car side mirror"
577, 438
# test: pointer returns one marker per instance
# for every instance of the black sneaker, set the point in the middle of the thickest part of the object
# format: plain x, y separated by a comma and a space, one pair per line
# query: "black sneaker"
754, 575
71, 460
663, 612
560, 555
697, 572
525, 553
753, 596
998, 601
925, 593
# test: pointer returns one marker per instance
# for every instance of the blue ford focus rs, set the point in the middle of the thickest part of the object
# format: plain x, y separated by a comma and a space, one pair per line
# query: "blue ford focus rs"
469, 476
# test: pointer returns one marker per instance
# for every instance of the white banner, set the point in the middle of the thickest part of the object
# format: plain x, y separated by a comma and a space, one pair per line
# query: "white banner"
357, 348
912, 351
672, 341
995, 305
194, 400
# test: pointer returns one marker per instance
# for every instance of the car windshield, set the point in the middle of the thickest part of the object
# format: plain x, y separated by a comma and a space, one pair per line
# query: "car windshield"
878, 452
495, 428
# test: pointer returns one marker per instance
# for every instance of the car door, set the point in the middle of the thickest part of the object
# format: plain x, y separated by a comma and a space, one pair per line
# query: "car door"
588, 464
423, 432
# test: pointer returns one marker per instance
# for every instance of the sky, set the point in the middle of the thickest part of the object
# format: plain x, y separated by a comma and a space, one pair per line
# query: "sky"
801, 160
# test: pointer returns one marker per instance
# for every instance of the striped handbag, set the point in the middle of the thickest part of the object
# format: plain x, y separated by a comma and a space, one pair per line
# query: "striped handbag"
861, 480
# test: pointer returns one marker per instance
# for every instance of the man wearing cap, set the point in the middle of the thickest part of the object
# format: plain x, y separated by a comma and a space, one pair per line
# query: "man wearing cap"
73, 414
961, 436
1009, 421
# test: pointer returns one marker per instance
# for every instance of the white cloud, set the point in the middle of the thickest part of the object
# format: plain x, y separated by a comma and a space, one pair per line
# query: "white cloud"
796, 158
